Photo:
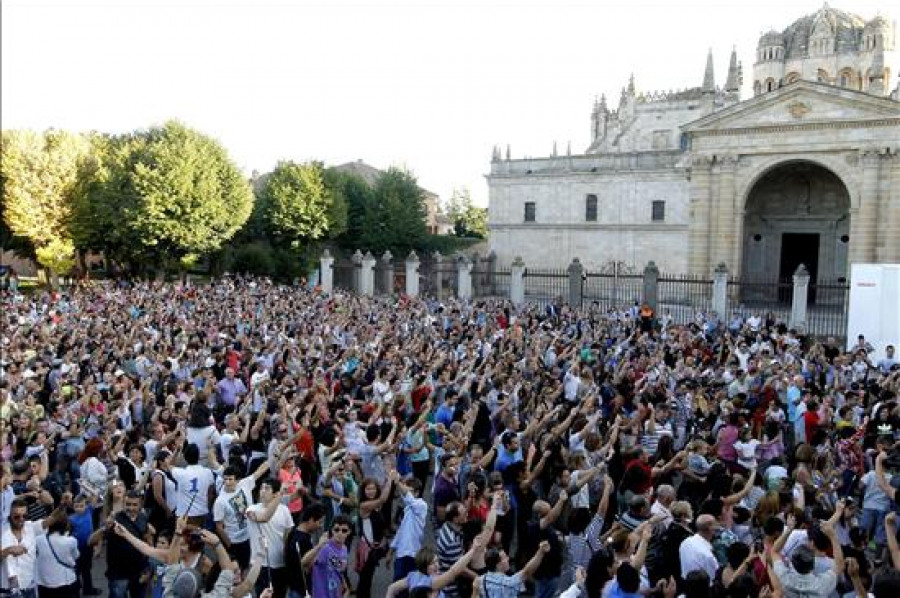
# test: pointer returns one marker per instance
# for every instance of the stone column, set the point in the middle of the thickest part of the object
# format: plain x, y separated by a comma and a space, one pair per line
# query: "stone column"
887, 250
463, 278
698, 227
438, 275
367, 274
722, 240
477, 276
326, 269
651, 284
412, 274
798, 302
576, 284
357, 260
720, 292
491, 269
892, 242
517, 281
864, 225
387, 272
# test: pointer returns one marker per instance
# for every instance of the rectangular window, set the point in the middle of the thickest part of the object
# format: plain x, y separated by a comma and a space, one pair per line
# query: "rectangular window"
590, 208
659, 211
529, 211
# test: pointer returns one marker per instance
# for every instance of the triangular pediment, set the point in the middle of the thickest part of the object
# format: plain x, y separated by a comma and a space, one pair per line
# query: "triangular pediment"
803, 102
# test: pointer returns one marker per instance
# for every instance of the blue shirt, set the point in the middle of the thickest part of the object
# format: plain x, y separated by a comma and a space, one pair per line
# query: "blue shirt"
411, 533
444, 415
82, 526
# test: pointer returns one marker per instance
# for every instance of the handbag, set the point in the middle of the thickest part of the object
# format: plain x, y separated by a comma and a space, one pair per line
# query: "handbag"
361, 553
56, 556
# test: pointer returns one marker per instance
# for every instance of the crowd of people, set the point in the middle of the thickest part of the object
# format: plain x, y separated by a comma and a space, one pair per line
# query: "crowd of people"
243, 438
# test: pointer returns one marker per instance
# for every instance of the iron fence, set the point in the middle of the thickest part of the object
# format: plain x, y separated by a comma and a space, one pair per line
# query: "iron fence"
612, 290
826, 312
344, 274
546, 285
683, 296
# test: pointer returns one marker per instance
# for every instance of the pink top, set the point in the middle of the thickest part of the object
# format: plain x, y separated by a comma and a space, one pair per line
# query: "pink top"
727, 437
289, 483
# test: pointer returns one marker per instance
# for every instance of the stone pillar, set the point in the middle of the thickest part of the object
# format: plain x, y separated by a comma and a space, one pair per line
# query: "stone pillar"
463, 278
720, 292
326, 268
651, 285
412, 274
887, 250
491, 269
357, 260
864, 224
698, 226
576, 282
798, 302
477, 276
517, 281
387, 272
367, 274
892, 242
723, 239
438, 275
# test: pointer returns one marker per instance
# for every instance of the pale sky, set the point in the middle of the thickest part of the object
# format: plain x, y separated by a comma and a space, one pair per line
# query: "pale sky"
430, 85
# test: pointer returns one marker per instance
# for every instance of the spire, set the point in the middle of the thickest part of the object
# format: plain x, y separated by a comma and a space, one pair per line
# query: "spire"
709, 78
733, 83
554, 150
631, 84
603, 102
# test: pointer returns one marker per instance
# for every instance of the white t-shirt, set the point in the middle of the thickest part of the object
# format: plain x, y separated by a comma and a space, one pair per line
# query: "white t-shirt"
203, 438
746, 452
230, 508
273, 530
194, 482
21, 567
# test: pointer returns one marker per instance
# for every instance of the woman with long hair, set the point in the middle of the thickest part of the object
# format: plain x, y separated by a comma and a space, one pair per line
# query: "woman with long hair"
373, 527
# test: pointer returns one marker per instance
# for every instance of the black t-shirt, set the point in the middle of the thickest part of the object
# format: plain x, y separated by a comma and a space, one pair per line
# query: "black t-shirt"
551, 564
298, 544
123, 561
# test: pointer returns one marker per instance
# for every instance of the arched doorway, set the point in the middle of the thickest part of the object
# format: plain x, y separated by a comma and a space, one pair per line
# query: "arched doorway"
797, 213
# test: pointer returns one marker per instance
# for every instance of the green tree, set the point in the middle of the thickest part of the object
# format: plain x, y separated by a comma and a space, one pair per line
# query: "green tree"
164, 194
358, 198
298, 207
43, 175
468, 219
396, 217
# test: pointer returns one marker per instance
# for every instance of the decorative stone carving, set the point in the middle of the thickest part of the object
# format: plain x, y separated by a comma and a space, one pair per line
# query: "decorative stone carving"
799, 109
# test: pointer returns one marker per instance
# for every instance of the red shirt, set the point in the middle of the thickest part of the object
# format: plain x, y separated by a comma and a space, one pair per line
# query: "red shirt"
811, 420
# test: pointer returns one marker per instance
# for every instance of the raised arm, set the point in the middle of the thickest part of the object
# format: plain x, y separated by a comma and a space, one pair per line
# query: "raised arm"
890, 524
535, 562
441, 581
554, 513
739, 496
160, 554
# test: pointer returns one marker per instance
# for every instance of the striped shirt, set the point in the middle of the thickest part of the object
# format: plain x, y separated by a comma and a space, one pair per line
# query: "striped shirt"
449, 545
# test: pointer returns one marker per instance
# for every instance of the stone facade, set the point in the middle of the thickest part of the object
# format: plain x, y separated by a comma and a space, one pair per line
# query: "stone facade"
697, 177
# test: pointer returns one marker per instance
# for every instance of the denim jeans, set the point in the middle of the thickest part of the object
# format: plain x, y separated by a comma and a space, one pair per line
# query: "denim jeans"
545, 588
122, 588
872, 521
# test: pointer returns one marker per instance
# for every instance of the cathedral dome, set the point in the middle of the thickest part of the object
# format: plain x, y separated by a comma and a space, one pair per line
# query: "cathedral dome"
877, 24
846, 28
771, 38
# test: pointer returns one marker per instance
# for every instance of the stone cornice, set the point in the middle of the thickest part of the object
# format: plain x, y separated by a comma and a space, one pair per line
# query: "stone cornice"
589, 226
807, 126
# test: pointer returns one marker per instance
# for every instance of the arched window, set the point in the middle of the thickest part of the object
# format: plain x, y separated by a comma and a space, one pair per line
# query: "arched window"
770, 84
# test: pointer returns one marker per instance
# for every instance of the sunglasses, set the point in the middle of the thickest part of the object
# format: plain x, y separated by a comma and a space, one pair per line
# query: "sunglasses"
341, 530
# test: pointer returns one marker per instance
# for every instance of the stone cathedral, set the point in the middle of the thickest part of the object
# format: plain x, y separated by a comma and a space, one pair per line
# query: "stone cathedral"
805, 171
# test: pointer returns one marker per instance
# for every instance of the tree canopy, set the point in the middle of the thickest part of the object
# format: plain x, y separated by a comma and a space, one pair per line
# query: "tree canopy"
468, 219
43, 174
